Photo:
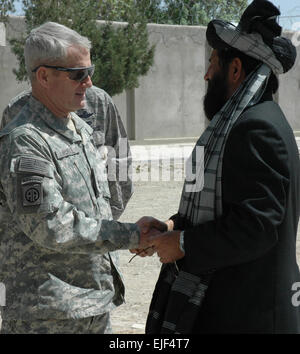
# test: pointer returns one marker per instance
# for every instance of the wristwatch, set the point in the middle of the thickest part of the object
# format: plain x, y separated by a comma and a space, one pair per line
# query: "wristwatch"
181, 240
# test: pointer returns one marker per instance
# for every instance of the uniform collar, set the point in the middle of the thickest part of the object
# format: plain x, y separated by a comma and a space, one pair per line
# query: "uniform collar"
59, 125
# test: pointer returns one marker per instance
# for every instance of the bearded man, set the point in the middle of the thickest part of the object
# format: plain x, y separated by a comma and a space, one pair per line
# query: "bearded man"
229, 257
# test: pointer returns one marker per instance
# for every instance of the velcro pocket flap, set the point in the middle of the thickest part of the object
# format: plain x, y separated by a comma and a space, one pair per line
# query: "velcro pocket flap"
32, 165
60, 154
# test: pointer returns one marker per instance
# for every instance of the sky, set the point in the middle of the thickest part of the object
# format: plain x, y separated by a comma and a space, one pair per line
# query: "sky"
287, 7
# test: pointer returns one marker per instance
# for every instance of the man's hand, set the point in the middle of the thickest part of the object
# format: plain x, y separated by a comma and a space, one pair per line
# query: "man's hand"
149, 251
167, 246
148, 222
170, 224
149, 227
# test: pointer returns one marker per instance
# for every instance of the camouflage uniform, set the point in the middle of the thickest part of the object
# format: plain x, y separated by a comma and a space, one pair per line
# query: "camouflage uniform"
56, 225
102, 115
88, 325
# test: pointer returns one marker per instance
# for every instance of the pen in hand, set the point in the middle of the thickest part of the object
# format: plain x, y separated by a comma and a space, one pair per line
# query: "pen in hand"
141, 251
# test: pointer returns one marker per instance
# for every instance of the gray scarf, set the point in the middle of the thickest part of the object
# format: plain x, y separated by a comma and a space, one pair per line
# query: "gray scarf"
205, 205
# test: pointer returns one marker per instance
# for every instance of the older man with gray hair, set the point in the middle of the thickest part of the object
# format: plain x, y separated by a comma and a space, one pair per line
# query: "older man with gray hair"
109, 135
57, 232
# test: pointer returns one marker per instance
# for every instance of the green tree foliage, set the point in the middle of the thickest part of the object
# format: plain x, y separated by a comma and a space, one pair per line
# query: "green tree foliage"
5, 7
120, 54
139, 54
190, 12
119, 10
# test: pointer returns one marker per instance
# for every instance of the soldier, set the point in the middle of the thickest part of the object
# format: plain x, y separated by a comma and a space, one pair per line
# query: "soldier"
57, 231
102, 115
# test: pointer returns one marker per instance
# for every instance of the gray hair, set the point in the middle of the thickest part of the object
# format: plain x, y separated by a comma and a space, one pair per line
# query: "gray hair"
49, 43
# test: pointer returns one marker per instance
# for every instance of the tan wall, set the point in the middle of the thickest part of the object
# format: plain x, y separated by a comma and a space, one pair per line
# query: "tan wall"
168, 103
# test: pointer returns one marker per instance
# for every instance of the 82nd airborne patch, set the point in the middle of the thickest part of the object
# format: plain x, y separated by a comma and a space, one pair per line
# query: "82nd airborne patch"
32, 193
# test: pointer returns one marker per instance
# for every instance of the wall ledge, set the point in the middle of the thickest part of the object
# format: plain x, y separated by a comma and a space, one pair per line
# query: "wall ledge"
2, 35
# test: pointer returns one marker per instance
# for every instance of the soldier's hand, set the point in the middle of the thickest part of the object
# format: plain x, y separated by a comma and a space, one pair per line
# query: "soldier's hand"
167, 246
149, 251
146, 223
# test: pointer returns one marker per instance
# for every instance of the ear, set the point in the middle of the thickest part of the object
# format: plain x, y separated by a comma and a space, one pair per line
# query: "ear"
236, 72
42, 76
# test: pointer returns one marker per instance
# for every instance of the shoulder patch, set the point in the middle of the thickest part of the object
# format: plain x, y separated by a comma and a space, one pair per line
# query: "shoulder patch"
32, 193
32, 165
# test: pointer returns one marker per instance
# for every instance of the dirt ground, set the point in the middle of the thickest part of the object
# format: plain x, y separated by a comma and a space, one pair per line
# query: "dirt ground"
158, 199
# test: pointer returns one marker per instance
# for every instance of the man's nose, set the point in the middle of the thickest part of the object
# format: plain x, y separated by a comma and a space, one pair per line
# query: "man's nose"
207, 76
87, 81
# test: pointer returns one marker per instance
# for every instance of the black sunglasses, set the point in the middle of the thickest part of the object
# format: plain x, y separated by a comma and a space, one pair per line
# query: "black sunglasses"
76, 74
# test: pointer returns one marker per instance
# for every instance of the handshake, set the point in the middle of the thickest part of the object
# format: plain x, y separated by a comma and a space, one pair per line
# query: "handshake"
158, 236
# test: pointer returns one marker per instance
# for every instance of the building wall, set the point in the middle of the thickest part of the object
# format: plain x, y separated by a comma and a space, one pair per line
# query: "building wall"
168, 102
9, 87
289, 90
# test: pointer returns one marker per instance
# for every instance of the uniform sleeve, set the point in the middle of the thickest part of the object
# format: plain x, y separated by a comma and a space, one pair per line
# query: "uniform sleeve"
119, 161
7, 116
14, 107
255, 186
33, 192
4, 118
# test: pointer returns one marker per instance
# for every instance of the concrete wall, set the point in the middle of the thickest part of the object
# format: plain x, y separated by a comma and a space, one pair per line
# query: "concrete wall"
2, 34
168, 102
289, 90
9, 87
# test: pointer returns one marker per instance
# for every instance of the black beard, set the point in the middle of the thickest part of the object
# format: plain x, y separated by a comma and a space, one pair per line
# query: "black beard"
216, 95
